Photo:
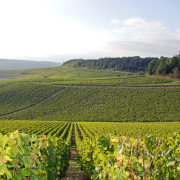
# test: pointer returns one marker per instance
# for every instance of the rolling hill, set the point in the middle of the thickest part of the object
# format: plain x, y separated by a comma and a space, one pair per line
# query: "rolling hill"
75, 94
25, 64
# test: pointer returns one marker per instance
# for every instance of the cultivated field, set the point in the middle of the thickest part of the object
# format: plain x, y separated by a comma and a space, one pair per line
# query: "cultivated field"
82, 123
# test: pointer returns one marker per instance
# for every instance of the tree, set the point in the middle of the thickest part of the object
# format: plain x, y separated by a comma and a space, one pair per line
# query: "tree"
150, 68
176, 72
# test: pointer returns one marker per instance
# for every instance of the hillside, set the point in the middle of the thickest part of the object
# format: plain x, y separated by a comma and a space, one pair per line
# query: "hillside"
58, 73
78, 76
80, 110
102, 104
75, 94
25, 64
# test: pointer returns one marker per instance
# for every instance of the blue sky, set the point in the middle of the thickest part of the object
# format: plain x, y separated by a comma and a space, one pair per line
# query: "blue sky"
59, 30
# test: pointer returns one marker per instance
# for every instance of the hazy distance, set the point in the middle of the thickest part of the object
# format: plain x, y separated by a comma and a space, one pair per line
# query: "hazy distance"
25, 64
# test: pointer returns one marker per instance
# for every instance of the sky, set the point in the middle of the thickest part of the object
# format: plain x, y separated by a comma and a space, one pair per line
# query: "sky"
60, 30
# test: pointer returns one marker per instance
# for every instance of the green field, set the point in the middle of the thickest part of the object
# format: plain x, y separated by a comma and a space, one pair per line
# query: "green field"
18, 96
60, 72
69, 94
130, 129
133, 80
90, 128
104, 149
125, 104
87, 110
73, 76
115, 156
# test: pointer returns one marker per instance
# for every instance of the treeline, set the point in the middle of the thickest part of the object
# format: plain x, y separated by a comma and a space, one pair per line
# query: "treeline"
135, 63
165, 66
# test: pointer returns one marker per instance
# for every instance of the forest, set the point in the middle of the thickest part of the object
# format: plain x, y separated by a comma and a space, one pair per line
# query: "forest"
151, 66
165, 66
135, 63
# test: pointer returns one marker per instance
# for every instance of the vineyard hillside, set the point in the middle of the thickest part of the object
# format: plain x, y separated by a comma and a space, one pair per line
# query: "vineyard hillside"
35, 101
78, 123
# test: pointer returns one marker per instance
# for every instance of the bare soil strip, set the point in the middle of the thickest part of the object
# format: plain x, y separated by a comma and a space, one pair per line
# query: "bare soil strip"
117, 86
74, 170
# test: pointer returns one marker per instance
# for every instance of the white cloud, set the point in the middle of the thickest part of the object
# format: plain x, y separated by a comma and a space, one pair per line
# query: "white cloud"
132, 24
125, 30
141, 24
135, 36
115, 21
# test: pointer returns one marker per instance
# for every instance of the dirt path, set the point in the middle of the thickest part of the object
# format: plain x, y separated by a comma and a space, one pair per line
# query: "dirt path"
74, 170
117, 86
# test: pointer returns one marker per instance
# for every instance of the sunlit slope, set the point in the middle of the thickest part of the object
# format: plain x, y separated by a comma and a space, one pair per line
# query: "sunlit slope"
3, 83
136, 130
107, 104
17, 96
85, 73
61, 72
133, 80
78, 76
102, 128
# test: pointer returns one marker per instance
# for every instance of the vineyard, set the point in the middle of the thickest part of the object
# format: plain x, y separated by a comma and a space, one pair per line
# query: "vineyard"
18, 96
122, 157
67, 123
125, 104
105, 150
116, 81
59, 72
73, 76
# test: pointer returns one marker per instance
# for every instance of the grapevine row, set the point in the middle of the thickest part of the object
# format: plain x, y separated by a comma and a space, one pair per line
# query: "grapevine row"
112, 157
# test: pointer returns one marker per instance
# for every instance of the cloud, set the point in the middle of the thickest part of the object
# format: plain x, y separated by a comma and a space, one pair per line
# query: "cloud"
147, 46
115, 21
141, 24
131, 42
136, 36
33, 30
133, 24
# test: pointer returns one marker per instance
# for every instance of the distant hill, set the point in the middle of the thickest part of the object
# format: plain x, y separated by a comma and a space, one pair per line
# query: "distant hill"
135, 63
25, 64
